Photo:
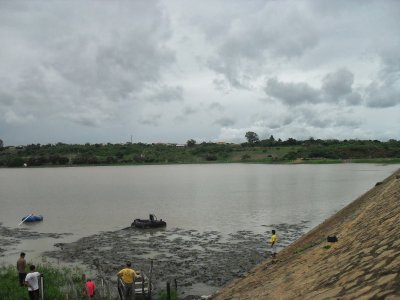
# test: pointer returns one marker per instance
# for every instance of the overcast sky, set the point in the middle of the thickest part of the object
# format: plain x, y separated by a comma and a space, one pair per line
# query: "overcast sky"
174, 70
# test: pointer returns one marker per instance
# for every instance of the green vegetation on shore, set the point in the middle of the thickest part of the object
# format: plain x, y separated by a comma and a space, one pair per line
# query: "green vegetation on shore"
59, 282
253, 151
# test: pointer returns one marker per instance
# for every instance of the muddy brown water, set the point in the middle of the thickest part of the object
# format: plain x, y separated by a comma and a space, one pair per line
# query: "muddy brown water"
219, 216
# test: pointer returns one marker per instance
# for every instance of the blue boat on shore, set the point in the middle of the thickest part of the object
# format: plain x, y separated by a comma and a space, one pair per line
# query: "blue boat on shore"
32, 218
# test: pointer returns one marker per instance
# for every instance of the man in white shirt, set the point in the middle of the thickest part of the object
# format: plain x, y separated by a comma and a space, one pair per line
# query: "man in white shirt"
32, 282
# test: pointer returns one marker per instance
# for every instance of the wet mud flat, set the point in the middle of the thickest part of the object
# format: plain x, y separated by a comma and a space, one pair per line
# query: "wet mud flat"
199, 262
11, 237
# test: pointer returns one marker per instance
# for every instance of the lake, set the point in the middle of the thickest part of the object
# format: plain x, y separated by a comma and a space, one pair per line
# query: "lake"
226, 198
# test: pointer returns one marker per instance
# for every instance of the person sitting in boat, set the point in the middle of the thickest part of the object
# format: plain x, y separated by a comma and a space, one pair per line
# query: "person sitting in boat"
128, 276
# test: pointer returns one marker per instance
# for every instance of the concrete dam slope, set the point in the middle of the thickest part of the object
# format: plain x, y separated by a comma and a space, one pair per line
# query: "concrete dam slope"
363, 264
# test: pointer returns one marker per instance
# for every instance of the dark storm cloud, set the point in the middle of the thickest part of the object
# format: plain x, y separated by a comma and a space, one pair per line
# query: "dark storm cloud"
280, 121
337, 88
225, 121
85, 120
291, 93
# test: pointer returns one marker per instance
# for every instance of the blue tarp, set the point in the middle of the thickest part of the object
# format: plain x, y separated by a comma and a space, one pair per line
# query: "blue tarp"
32, 218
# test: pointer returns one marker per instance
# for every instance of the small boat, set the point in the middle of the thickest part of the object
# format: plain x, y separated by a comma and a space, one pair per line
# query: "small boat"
151, 222
32, 218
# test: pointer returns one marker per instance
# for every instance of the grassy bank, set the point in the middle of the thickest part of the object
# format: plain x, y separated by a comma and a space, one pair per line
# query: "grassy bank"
59, 282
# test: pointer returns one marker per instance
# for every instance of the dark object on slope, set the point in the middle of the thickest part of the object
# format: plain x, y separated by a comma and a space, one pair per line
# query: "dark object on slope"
332, 239
152, 222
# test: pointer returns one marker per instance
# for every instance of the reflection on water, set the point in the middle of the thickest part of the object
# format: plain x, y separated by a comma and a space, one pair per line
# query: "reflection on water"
224, 198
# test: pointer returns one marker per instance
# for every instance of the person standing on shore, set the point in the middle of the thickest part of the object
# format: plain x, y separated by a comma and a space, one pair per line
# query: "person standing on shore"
89, 289
273, 241
21, 268
32, 282
128, 276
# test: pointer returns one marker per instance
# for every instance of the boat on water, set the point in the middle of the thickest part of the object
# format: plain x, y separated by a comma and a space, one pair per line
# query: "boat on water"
32, 218
151, 222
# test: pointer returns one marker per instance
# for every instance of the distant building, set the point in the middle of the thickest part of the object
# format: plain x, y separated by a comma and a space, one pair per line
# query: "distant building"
1, 143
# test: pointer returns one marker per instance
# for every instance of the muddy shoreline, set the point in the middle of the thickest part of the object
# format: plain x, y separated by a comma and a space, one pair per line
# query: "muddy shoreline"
200, 262
11, 237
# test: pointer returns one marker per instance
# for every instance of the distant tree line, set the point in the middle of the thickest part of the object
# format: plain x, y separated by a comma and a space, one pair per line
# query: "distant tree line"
270, 150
